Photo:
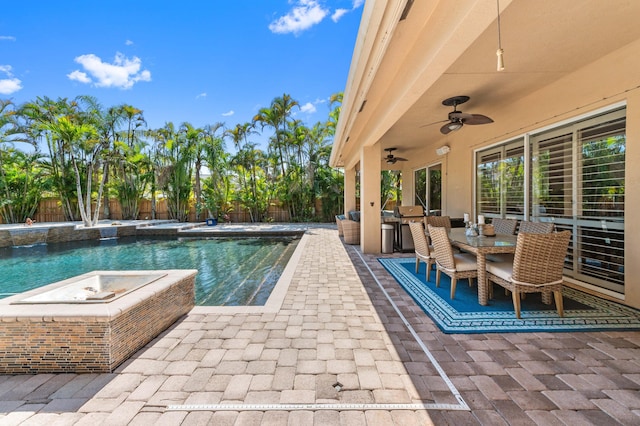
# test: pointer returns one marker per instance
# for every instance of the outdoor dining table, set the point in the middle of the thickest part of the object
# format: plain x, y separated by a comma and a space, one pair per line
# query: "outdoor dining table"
481, 246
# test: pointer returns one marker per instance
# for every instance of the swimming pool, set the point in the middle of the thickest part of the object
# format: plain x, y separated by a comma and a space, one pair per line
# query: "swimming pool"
231, 271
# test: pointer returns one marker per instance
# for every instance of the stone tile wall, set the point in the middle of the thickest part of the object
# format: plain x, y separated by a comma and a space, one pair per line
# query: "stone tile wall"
20, 236
41, 344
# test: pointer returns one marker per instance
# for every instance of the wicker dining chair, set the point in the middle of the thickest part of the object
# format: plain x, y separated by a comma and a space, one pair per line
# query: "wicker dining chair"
530, 227
527, 227
421, 247
536, 268
437, 221
455, 265
504, 226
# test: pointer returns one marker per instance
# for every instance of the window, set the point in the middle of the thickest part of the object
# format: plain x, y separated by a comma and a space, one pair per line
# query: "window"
576, 178
500, 180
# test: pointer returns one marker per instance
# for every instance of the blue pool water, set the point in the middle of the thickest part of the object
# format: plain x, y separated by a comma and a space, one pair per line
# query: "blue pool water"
232, 272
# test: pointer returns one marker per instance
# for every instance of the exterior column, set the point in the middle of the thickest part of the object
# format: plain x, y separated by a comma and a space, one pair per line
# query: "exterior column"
349, 190
370, 168
408, 188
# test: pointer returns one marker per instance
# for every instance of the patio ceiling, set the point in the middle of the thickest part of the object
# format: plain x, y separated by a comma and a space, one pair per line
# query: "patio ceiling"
403, 69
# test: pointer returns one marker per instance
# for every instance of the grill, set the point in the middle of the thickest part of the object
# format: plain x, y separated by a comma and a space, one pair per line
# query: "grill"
407, 214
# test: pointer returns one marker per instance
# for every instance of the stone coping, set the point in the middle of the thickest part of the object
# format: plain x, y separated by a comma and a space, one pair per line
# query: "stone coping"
95, 312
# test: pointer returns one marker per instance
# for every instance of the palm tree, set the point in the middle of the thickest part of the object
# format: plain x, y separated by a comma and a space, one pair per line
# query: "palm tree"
21, 178
217, 186
35, 116
22, 181
175, 162
195, 142
334, 114
129, 159
277, 116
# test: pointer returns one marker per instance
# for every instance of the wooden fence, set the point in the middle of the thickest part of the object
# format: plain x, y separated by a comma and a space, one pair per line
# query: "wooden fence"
50, 210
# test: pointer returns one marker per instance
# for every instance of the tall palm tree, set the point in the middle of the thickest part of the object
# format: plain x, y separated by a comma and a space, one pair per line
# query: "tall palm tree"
21, 179
217, 186
195, 141
335, 102
36, 115
129, 159
176, 165
277, 116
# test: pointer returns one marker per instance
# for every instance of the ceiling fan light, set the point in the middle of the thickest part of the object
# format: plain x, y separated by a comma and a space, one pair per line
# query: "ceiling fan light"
454, 125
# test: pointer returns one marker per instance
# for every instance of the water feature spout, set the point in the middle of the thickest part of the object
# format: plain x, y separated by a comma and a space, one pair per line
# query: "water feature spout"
28, 236
108, 232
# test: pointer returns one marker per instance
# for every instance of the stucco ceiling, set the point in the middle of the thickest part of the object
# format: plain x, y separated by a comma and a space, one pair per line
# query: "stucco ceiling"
448, 48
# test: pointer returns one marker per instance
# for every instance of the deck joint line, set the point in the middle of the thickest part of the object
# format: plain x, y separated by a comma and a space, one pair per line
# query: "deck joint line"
439, 369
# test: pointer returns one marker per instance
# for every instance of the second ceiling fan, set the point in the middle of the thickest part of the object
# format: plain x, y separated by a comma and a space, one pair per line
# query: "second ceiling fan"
392, 159
456, 119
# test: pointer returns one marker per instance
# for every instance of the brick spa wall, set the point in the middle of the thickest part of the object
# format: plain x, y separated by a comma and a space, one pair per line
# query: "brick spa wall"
89, 338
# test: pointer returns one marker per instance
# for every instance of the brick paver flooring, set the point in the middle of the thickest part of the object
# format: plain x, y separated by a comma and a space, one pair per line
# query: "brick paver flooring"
337, 342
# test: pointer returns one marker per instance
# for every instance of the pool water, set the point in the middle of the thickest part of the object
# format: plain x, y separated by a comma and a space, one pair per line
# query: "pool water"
232, 272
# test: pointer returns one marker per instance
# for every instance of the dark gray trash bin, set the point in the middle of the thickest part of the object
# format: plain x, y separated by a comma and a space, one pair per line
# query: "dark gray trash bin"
387, 238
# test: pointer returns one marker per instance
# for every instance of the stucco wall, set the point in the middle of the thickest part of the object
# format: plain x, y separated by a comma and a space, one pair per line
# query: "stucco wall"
598, 85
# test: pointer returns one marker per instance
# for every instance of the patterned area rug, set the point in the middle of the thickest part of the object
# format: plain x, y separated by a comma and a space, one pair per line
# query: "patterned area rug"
582, 312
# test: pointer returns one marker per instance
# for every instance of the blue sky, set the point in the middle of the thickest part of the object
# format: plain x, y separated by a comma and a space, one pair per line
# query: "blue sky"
197, 61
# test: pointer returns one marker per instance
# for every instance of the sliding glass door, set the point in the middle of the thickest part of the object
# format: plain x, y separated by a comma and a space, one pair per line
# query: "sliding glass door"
428, 189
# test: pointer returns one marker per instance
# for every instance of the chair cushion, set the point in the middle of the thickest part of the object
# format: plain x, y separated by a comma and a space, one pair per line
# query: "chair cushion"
465, 262
500, 257
355, 216
503, 270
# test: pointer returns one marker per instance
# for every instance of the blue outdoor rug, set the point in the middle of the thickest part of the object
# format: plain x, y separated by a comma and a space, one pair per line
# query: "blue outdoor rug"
582, 312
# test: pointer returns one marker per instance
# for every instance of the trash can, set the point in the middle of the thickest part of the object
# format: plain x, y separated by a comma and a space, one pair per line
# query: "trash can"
212, 222
387, 238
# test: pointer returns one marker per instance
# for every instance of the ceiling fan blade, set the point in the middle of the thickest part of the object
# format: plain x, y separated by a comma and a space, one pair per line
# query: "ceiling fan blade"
445, 130
435, 122
477, 119
400, 159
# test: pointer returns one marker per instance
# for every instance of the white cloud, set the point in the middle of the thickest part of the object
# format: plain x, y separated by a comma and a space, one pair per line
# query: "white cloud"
228, 114
8, 38
303, 16
10, 84
309, 108
339, 13
79, 76
122, 73
202, 95
128, 42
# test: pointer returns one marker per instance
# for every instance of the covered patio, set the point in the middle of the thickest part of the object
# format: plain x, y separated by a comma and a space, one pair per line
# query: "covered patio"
569, 84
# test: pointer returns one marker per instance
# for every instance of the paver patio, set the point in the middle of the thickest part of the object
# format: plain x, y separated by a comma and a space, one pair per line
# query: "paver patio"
338, 345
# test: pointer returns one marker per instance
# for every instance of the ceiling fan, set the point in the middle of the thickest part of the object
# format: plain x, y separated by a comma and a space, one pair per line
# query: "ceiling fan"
456, 119
392, 159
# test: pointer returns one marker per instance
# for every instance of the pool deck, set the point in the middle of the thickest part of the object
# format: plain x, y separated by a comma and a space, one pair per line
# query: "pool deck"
334, 349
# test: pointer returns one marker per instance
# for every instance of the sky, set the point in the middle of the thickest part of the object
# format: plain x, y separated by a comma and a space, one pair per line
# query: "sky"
199, 61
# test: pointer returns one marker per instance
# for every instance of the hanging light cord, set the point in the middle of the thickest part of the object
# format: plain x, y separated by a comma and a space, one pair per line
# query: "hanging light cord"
499, 52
